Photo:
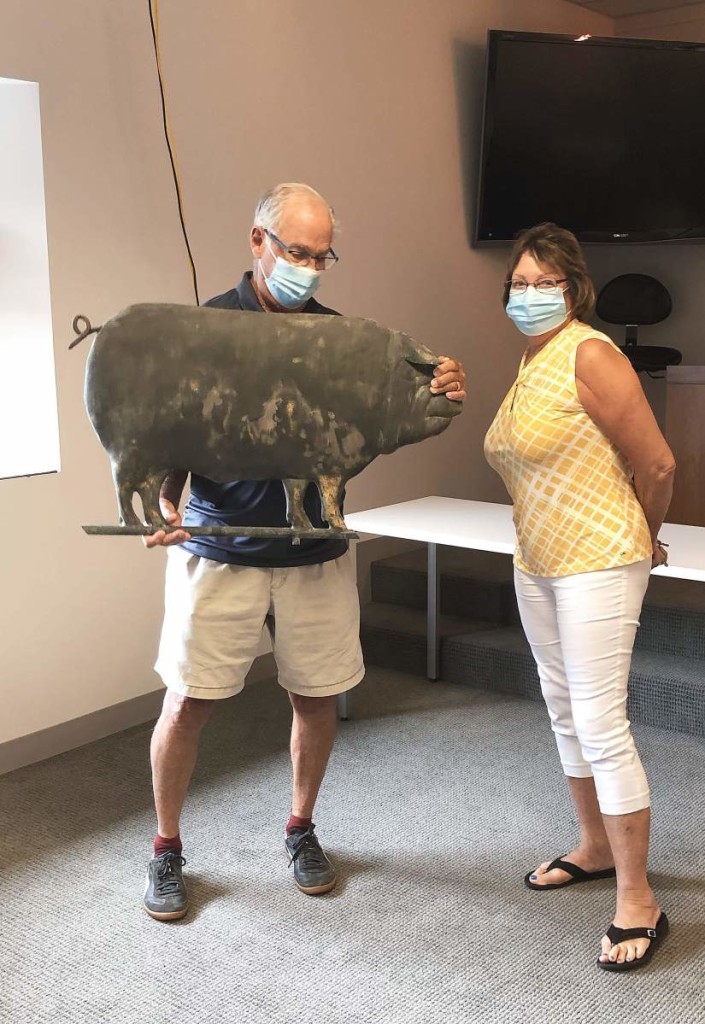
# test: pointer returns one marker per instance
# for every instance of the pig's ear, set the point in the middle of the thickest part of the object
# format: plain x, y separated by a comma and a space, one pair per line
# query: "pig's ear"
420, 357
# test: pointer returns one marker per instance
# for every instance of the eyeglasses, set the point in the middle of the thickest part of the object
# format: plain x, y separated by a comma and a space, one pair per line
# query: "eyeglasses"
546, 285
302, 257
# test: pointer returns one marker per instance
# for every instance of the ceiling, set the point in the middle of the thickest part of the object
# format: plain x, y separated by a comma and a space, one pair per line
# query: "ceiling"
622, 8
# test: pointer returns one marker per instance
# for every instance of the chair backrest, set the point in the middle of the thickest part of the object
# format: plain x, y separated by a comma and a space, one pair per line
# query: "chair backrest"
633, 299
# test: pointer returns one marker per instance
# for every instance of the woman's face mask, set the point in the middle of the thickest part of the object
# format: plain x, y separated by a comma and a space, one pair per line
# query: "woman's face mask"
288, 285
535, 312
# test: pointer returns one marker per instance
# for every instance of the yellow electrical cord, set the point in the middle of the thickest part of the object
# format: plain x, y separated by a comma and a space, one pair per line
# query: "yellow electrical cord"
154, 23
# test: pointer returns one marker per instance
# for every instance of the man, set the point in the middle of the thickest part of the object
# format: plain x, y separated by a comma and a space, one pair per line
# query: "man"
220, 591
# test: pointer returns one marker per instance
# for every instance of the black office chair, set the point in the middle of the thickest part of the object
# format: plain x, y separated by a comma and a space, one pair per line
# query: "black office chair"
633, 300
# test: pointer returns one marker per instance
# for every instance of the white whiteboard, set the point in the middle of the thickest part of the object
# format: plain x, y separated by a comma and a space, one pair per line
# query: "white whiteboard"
29, 429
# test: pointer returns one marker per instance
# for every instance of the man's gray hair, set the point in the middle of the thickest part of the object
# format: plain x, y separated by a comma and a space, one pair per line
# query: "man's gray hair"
269, 208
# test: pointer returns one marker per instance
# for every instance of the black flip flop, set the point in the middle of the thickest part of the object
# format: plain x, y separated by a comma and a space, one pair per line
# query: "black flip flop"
617, 935
577, 875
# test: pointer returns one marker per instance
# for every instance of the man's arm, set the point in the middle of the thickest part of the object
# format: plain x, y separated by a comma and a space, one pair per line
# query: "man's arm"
449, 379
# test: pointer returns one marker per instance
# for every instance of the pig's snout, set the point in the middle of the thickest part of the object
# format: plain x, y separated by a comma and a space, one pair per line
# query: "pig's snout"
439, 405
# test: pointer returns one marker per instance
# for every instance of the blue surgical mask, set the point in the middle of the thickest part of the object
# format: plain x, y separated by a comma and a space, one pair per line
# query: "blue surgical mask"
291, 286
535, 312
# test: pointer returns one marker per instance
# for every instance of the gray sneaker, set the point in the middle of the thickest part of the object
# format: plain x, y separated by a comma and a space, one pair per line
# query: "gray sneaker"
165, 896
313, 872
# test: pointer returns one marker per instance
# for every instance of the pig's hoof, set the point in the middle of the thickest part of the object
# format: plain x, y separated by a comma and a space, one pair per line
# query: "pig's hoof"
129, 521
301, 525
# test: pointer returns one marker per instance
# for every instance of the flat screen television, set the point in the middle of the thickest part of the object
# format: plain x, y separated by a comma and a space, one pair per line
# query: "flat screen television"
604, 136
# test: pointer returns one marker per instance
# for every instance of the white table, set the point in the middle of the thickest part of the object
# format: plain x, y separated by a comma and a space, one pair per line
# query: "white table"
487, 526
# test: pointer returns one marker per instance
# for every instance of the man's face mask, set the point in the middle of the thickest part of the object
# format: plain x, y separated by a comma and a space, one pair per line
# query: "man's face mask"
288, 285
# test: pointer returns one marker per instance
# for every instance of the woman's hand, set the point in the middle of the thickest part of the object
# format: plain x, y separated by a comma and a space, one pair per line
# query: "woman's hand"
449, 379
659, 555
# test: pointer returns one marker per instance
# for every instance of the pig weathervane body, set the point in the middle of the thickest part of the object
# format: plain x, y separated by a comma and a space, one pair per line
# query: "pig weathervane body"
234, 395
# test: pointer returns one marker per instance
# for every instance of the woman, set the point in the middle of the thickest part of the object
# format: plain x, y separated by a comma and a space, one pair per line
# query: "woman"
590, 476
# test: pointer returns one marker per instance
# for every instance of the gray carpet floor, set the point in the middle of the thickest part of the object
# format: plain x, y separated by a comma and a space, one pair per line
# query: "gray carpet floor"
437, 801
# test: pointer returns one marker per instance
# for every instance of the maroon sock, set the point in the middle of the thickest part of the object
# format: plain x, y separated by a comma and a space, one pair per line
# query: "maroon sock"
161, 845
296, 822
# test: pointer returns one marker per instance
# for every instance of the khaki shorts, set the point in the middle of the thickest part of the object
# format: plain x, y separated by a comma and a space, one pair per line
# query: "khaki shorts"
215, 613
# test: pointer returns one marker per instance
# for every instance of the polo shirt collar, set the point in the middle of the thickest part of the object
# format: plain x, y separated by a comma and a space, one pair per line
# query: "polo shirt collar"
248, 299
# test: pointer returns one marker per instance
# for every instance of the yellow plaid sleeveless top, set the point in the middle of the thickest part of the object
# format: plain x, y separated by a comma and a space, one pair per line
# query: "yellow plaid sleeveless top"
575, 508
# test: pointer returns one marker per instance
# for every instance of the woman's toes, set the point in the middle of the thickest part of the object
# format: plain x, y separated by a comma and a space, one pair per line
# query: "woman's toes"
616, 953
545, 877
622, 951
539, 871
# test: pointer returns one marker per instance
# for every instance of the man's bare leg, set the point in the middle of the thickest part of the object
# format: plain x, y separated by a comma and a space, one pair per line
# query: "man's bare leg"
174, 750
312, 734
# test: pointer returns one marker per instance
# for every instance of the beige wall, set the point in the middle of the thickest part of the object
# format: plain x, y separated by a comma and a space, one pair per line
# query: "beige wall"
685, 23
378, 105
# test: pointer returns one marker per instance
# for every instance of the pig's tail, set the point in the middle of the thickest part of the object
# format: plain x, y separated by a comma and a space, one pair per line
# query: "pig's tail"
82, 327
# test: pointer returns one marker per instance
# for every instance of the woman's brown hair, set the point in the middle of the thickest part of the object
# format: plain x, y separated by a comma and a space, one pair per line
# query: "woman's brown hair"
558, 248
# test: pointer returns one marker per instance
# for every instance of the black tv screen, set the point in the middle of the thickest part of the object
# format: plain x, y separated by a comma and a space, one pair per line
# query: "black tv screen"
604, 136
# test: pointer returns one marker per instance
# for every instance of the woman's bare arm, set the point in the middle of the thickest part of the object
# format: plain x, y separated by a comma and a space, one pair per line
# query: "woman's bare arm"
612, 396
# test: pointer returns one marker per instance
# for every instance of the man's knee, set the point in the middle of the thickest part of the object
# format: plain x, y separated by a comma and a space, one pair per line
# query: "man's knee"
188, 714
311, 707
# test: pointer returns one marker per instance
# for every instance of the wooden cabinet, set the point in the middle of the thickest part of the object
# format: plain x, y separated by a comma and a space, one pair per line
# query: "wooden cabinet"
685, 433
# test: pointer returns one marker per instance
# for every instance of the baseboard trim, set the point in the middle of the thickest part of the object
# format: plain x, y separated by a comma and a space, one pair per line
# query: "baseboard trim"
57, 739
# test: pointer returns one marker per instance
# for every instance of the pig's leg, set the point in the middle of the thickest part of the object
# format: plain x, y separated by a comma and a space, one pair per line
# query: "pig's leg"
295, 515
331, 488
124, 490
149, 491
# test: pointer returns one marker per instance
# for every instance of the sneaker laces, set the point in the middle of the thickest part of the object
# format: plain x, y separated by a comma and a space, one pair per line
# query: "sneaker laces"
307, 844
168, 882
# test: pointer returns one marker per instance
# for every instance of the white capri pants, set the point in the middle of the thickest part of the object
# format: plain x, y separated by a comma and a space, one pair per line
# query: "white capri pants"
581, 630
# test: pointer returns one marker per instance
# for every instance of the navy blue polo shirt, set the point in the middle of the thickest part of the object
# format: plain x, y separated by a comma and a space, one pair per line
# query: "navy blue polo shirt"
254, 502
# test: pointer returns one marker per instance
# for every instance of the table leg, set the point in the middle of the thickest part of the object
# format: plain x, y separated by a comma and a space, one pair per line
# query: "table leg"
432, 647
342, 706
